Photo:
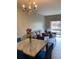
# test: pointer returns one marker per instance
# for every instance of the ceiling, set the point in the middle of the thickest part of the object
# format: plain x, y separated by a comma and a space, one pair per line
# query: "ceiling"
46, 7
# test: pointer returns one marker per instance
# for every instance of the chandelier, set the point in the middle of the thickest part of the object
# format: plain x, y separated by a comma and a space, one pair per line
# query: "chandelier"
30, 7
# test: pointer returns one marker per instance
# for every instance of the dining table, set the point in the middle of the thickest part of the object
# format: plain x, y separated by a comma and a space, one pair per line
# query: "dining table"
31, 48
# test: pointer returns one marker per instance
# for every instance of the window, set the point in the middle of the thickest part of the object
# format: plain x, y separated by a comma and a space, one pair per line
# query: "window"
56, 27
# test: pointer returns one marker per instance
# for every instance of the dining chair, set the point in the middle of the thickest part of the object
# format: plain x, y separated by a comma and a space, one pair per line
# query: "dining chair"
45, 54
18, 39
21, 55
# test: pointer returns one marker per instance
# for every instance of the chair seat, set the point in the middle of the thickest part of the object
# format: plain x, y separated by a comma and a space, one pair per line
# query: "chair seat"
41, 55
45, 54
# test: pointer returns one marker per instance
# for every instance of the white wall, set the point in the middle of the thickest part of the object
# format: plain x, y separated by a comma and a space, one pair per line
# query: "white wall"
25, 21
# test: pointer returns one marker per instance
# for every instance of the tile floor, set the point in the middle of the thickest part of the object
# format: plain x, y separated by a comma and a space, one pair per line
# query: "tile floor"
56, 53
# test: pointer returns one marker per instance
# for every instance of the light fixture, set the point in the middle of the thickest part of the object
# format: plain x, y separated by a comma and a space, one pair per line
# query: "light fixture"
30, 7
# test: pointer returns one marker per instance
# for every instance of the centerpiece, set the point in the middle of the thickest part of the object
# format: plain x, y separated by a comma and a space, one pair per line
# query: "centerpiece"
29, 34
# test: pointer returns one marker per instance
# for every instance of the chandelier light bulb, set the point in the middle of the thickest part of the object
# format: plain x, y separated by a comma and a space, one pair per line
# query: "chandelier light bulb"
36, 6
34, 3
29, 7
23, 6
